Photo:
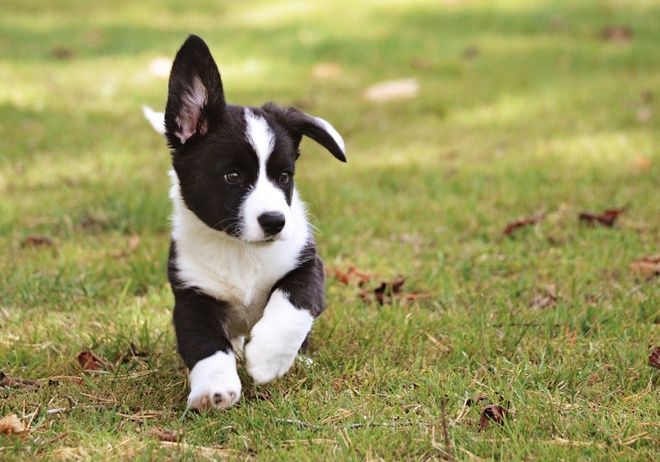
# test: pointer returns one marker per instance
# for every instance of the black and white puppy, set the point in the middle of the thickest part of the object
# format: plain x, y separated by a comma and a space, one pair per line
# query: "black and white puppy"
243, 267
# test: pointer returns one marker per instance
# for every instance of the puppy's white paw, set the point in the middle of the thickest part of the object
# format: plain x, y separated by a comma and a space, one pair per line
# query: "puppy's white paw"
268, 358
214, 382
276, 339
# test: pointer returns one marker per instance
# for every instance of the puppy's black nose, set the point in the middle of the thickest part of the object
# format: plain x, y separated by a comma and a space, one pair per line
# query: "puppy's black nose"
271, 222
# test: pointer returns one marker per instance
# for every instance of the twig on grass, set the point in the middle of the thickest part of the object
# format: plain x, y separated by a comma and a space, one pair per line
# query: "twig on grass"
61, 436
200, 450
312, 426
564, 442
32, 415
445, 435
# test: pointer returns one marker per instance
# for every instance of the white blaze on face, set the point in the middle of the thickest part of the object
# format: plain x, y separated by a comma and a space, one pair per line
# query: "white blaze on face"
264, 196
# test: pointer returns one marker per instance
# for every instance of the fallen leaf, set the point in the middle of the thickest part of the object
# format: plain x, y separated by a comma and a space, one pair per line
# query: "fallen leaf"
471, 52
646, 96
16, 382
607, 218
644, 114
654, 359
617, 34
11, 424
352, 274
493, 412
643, 163
384, 293
326, 70
546, 299
62, 53
160, 67
163, 434
90, 362
133, 242
648, 266
514, 225
392, 90
37, 241
414, 296
386, 290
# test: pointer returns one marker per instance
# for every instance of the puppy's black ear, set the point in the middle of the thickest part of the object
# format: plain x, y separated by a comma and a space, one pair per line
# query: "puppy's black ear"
299, 124
195, 96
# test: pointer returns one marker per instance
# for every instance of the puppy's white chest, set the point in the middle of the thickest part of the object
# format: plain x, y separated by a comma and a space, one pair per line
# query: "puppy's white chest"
242, 274
234, 273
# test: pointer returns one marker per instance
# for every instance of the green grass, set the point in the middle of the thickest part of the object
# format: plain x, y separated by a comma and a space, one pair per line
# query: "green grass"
523, 107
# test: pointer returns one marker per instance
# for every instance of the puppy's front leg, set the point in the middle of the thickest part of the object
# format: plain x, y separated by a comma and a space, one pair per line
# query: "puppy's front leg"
206, 350
276, 339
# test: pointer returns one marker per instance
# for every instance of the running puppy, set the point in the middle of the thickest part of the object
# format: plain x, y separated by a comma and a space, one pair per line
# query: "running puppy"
243, 267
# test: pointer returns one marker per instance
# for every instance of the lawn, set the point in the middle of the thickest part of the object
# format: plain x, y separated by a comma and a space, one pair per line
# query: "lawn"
520, 116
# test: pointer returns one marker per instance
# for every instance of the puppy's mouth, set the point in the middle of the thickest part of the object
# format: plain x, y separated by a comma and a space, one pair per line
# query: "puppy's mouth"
266, 240
261, 241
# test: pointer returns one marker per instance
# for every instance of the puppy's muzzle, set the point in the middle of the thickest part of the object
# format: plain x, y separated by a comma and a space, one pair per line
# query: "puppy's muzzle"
271, 222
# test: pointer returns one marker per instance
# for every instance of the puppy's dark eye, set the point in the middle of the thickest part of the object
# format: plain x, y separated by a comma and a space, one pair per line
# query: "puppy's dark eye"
233, 177
285, 177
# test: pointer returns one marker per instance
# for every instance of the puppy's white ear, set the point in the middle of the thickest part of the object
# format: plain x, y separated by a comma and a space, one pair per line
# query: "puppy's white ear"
156, 119
195, 96
300, 124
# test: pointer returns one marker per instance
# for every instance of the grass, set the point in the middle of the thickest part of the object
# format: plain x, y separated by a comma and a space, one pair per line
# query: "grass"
523, 107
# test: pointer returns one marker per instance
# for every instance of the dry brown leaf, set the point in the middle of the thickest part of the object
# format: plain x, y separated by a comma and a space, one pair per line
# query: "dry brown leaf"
352, 274
90, 362
12, 425
392, 90
62, 53
648, 266
386, 290
384, 293
654, 359
37, 241
16, 382
644, 114
643, 163
514, 225
471, 52
133, 242
546, 299
414, 296
163, 434
607, 218
617, 34
330, 70
493, 412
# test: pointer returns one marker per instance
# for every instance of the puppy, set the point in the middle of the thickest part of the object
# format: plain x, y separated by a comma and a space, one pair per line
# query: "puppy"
246, 278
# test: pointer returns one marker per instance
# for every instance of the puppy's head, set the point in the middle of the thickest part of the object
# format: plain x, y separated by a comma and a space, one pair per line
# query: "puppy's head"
235, 165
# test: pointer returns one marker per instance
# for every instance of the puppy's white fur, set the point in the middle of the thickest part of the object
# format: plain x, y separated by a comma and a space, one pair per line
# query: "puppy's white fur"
214, 382
204, 257
231, 269
156, 119
334, 133
264, 196
276, 338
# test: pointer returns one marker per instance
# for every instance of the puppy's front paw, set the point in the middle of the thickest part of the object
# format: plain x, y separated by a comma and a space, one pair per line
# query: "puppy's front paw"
276, 339
214, 382
268, 358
